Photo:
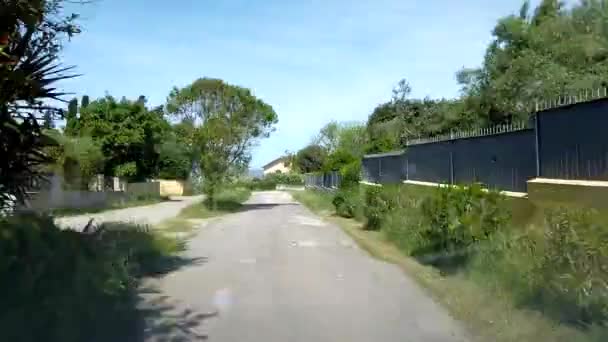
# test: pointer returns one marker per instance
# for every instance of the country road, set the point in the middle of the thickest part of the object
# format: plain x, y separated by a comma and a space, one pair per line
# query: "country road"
148, 214
274, 273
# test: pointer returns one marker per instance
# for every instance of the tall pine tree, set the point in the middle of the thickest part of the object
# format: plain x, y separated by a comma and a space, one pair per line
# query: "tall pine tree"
71, 125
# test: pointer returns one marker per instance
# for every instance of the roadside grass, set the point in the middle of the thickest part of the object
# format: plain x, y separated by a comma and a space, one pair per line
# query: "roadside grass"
489, 310
319, 202
228, 201
62, 285
136, 202
183, 225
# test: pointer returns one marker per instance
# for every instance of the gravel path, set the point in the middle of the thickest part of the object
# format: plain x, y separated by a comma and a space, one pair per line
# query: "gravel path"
149, 214
276, 272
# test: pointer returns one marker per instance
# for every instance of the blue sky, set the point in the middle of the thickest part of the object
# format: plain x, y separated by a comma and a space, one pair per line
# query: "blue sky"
313, 60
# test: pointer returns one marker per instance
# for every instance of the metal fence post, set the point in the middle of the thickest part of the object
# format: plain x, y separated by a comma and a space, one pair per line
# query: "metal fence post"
537, 138
452, 167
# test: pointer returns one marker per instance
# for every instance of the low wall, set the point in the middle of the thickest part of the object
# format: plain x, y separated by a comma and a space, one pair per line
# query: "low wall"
144, 189
45, 201
170, 187
546, 192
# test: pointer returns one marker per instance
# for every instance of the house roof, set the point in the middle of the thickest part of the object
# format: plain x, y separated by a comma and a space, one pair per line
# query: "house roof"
274, 162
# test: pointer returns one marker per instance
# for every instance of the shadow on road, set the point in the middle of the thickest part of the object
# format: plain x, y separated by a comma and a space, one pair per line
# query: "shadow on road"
158, 318
164, 319
263, 206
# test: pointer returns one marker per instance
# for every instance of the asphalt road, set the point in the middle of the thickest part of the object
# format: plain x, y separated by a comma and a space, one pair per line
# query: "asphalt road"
276, 272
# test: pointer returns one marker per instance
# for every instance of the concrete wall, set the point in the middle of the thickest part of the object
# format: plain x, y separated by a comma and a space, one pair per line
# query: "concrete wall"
55, 197
571, 193
144, 189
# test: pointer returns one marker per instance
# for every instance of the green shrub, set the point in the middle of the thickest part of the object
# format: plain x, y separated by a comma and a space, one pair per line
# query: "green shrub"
348, 202
378, 203
572, 268
61, 285
455, 218
286, 178
351, 174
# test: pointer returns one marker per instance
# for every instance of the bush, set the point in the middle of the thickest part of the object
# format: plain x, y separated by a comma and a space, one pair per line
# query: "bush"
61, 285
455, 218
348, 203
378, 204
571, 272
351, 174
286, 178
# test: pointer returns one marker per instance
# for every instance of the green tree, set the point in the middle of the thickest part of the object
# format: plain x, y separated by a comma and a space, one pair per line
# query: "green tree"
129, 134
229, 120
175, 157
71, 118
553, 52
32, 34
310, 159
84, 103
328, 137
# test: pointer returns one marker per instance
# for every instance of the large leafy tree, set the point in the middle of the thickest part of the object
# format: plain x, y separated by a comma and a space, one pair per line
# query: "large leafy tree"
31, 37
228, 120
311, 158
392, 123
130, 135
539, 54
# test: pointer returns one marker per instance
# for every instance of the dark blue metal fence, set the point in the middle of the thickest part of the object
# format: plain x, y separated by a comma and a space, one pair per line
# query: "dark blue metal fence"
505, 160
568, 139
573, 141
329, 180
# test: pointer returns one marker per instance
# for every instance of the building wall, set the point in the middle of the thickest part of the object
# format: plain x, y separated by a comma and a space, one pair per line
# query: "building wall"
277, 167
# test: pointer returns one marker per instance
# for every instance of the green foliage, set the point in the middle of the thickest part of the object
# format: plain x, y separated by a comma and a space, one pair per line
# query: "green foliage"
129, 135
377, 204
78, 159
29, 72
229, 199
338, 160
61, 285
231, 120
71, 118
310, 159
286, 178
270, 182
569, 266
128, 170
551, 52
456, 218
348, 203
351, 174
84, 103
175, 160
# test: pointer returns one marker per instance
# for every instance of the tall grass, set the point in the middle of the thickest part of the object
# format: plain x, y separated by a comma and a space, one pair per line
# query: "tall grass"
228, 200
61, 285
558, 269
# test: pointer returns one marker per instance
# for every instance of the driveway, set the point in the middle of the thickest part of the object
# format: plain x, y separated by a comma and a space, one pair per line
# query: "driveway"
275, 272
148, 214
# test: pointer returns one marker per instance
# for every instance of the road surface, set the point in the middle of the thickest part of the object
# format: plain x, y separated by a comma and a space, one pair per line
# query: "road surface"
276, 273
148, 214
